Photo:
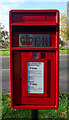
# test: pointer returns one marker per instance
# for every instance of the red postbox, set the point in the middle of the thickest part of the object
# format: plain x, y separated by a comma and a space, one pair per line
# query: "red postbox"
34, 59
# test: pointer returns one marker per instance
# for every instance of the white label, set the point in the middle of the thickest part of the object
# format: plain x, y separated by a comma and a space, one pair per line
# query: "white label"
35, 77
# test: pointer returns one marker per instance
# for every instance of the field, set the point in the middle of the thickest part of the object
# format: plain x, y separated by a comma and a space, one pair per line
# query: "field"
64, 50
4, 51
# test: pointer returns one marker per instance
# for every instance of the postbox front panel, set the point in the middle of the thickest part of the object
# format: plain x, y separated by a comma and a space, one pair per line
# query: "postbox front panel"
34, 59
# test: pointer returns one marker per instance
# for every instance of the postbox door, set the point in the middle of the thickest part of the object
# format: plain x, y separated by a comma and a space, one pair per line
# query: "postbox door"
38, 78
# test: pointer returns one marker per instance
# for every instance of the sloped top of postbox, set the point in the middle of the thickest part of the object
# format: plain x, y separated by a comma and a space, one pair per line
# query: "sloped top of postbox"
34, 17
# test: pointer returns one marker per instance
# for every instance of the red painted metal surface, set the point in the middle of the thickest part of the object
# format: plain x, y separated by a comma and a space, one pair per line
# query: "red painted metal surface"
28, 57
49, 80
34, 22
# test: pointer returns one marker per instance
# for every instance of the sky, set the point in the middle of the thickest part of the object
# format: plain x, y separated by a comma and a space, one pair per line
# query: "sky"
7, 5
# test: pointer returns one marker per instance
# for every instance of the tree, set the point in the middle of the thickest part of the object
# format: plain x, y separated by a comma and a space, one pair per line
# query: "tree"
64, 24
3, 36
68, 19
3, 33
63, 27
1, 28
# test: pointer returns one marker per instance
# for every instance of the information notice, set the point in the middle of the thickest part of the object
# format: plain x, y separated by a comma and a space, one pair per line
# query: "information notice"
35, 77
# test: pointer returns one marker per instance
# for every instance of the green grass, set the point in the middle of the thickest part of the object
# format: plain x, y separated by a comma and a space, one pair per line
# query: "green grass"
61, 113
63, 50
4, 51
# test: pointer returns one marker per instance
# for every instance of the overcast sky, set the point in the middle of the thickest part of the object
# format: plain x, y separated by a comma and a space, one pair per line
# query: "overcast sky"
7, 5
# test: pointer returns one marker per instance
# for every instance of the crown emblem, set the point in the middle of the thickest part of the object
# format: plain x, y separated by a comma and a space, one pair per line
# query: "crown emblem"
26, 40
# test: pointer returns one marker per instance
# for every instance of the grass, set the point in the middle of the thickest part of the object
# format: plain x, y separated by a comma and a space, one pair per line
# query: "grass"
4, 51
63, 50
10, 114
